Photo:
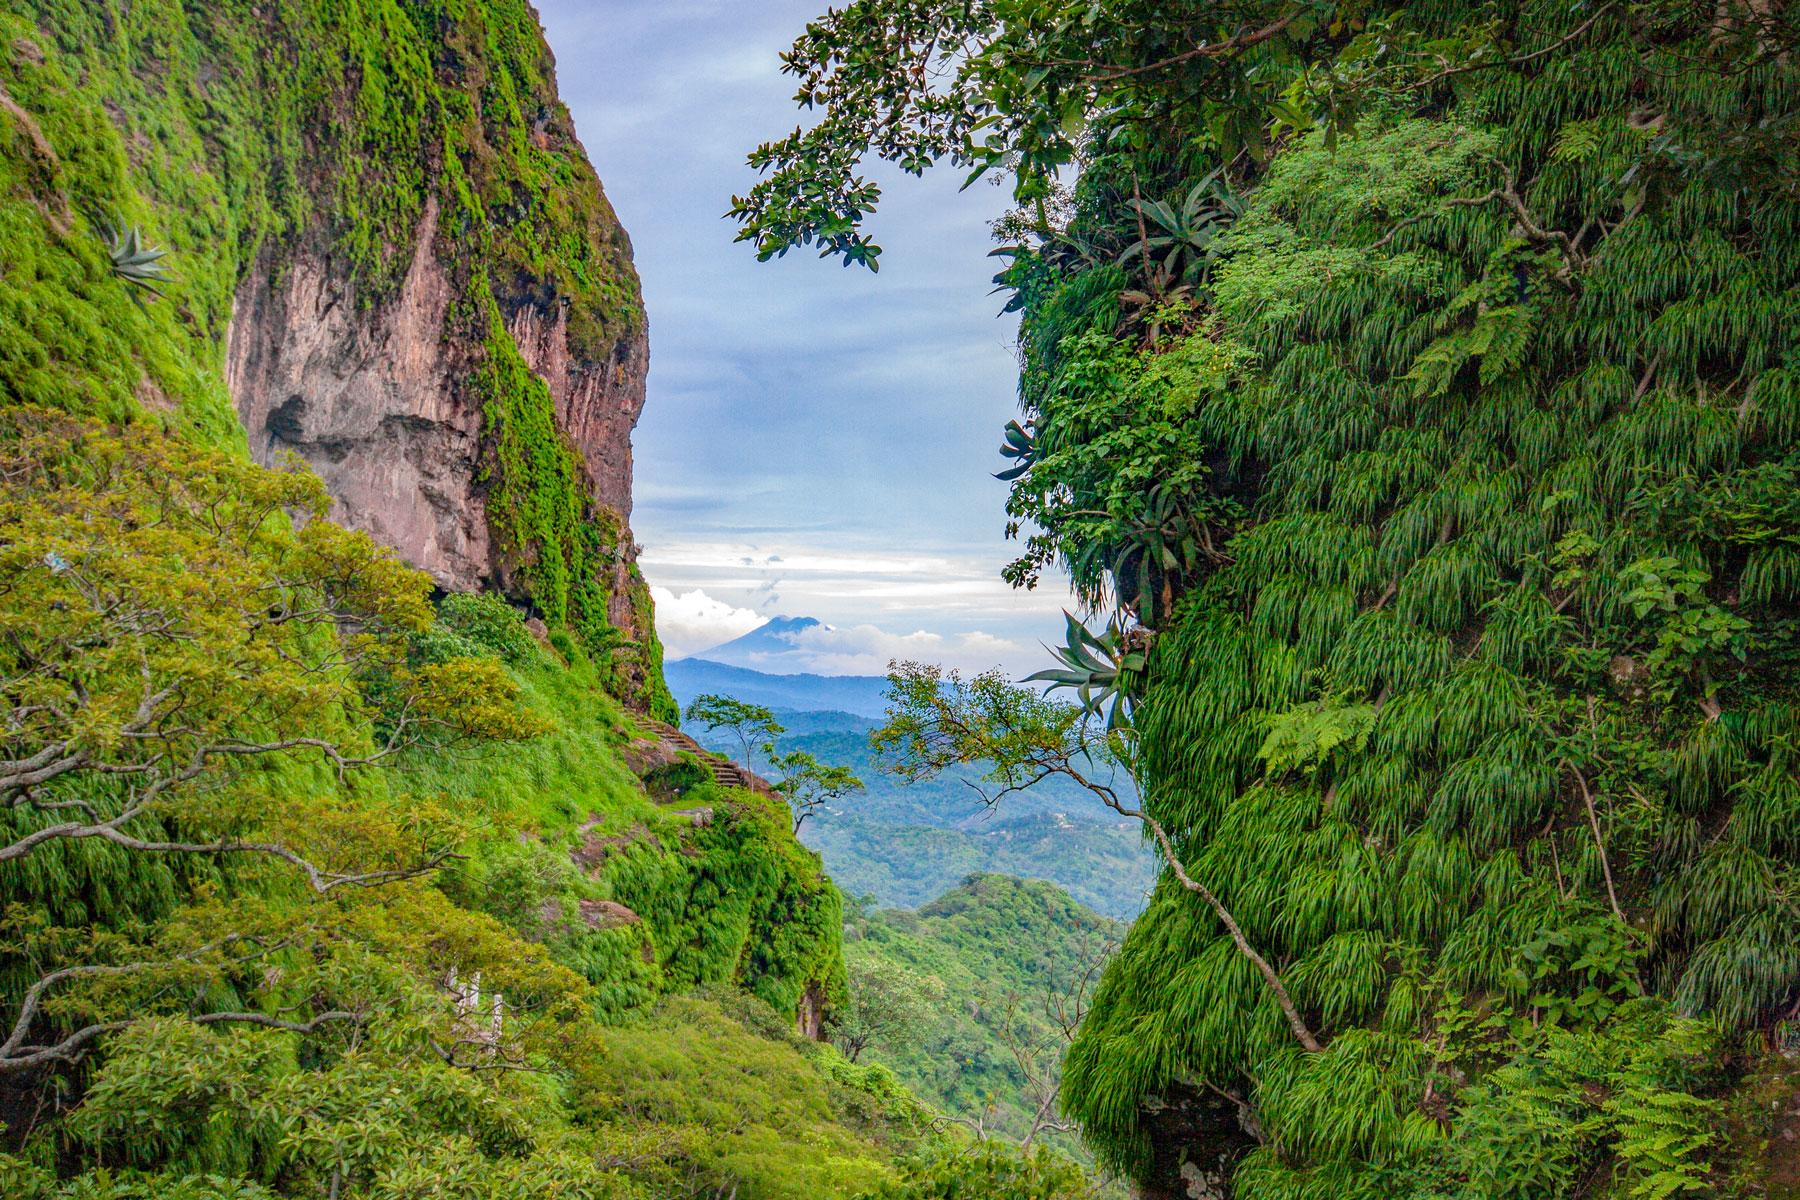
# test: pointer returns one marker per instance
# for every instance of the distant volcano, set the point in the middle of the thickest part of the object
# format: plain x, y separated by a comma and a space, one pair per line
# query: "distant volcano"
766, 666
769, 647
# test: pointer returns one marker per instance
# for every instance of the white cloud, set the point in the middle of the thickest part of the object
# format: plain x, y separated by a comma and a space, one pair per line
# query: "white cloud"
867, 650
965, 614
693, 620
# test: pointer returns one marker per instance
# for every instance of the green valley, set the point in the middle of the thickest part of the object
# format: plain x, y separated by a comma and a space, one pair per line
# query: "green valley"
907, 842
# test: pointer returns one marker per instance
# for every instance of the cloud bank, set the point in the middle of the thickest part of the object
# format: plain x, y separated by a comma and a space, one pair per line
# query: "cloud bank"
691, 621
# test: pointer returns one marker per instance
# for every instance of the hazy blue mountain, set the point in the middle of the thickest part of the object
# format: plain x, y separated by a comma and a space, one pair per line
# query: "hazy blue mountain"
906, 843
764, 648
858, 695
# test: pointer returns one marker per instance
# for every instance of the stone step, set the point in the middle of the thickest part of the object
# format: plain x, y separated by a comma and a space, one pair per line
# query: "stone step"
724, 772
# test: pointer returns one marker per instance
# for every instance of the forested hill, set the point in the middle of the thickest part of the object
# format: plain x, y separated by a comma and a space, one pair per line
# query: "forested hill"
972, 998
340, 851
1413, 395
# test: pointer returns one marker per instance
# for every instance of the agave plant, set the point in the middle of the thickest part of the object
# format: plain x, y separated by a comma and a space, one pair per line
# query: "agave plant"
1169, 543
1150, 557
1099, 667
138, 264
1020, 446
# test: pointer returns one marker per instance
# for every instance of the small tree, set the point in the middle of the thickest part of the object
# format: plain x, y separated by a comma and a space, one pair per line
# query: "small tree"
808, 784
754, 726
889, 1004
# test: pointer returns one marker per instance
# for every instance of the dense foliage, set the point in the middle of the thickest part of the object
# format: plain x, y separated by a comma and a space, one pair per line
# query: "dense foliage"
229, 135
966, 998
1441, 499
311, 890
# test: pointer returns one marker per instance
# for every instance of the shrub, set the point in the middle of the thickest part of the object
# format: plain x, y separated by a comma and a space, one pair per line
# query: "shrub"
489, 621
987, 1171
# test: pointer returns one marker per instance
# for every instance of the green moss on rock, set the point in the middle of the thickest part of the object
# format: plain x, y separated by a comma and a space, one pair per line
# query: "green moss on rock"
243, 134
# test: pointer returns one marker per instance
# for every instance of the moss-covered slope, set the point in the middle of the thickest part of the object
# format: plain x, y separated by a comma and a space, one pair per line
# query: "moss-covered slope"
389, 200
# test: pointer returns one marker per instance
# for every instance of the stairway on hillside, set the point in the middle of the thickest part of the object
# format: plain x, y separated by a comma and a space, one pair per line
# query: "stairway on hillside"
724, 772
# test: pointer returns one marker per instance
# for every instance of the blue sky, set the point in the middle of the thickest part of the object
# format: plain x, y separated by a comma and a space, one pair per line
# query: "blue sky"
818, 441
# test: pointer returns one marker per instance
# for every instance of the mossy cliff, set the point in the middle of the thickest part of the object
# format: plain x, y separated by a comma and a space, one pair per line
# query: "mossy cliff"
386, 252
1473, 699
1412, 389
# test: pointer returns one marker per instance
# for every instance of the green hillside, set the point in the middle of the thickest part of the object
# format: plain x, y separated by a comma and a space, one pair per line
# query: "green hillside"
1104, 866
317, 882
997, 964
489, 918
1410, 392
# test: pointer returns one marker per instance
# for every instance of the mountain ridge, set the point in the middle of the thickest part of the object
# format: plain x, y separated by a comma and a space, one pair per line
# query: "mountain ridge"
862, 696
775, 636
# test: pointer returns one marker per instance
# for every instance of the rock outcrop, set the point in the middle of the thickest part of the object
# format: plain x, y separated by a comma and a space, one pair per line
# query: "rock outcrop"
597, 402
375, 402
460, 353
370, 400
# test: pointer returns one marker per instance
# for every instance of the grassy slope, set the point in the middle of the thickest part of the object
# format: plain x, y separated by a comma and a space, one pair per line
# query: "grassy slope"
219, 134
737, 920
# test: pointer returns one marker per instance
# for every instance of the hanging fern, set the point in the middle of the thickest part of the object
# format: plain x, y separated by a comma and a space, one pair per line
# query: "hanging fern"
1483, 716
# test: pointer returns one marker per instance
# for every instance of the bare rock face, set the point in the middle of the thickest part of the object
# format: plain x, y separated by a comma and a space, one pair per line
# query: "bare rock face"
373, 342
369, 401
374, 402
597, 404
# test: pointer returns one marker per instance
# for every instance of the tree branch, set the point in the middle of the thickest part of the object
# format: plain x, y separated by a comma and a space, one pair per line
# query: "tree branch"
1587, 801
1296, 1022
1242, 40
1516, 60
16, 1055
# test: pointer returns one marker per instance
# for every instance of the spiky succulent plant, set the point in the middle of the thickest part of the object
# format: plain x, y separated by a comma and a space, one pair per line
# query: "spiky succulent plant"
1098, 667
138, 264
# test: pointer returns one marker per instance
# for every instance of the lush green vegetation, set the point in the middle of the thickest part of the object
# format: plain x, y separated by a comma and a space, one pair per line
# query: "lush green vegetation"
240, 758
232, 132
313, 890
971, 998
1412, 393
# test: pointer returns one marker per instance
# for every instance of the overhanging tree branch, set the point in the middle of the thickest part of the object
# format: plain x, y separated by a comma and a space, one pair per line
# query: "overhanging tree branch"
1242, 40
16, 1054
936, 719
